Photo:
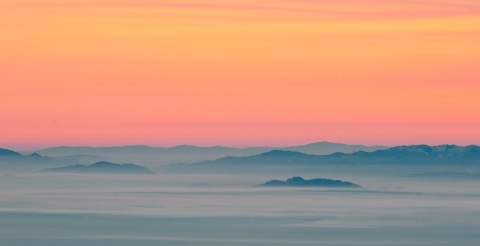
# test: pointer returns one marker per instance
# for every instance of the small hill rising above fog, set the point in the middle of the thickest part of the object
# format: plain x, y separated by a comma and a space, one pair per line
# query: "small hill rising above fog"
102, 167
300, 182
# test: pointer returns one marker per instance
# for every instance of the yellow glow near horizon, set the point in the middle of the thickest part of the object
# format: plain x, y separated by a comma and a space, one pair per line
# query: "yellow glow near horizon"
222, 72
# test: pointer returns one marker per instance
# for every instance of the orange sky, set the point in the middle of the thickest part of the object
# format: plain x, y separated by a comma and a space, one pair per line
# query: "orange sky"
238, 73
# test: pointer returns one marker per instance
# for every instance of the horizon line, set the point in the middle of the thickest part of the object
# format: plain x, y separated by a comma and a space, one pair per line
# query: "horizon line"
32, 150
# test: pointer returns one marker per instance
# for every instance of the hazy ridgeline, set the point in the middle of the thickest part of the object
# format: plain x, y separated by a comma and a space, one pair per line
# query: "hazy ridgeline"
398, 204
401, 201
146, 155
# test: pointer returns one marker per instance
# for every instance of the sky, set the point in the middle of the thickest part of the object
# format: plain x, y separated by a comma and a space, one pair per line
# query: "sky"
238, 73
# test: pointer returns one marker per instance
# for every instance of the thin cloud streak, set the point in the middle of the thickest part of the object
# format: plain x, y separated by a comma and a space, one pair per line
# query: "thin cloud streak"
323, 9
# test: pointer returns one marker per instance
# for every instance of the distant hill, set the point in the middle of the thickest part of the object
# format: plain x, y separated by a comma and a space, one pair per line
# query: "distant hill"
14, 162
326, 148
35, 155
300, 182
402, 155
187, 154
7, 152
420, 154
273, 157
102, 168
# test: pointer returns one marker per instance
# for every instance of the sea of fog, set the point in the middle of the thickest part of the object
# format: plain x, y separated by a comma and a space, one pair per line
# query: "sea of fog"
229, 209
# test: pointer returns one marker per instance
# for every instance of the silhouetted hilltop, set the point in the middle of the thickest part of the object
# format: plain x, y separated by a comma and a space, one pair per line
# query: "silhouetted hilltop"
102, 167
283, 153
326, 148
298, 181
13, 162
421, 154
271, 157
34, 155
7, 152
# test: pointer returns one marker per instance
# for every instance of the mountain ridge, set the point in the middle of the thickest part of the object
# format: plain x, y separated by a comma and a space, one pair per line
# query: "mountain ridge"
148, 155
405, 154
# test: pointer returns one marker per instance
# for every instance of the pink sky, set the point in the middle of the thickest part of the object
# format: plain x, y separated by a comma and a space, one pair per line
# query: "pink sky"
238, 73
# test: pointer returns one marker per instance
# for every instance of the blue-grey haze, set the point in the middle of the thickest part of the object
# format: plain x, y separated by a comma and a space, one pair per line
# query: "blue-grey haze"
409, 195
228, 209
